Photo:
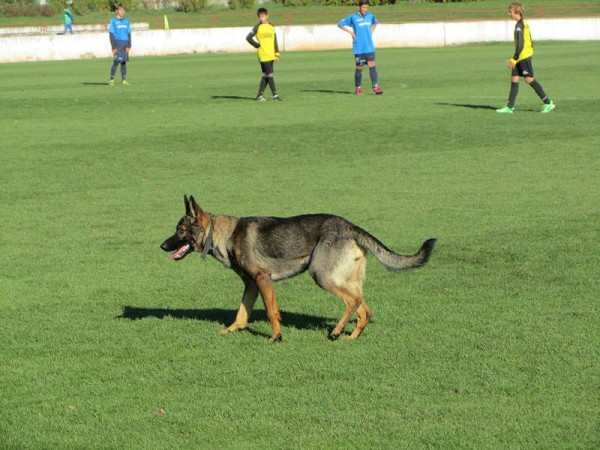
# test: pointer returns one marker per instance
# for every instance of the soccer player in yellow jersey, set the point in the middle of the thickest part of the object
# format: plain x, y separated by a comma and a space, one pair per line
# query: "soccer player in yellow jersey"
520, 64
268, 52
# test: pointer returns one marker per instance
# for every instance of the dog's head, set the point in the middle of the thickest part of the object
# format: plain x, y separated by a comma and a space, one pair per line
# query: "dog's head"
190, 231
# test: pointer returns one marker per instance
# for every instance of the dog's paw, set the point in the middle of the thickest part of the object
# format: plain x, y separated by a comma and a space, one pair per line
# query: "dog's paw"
231, 329
333, 336
274, 339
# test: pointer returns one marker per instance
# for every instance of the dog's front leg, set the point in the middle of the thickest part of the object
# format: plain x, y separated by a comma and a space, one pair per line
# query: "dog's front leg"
243, 314
267, 292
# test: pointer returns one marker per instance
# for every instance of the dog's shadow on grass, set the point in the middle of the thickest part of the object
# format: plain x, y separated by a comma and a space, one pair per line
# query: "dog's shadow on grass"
226, 317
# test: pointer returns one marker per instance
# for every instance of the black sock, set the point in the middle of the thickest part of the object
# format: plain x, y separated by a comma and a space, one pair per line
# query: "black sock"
263, 85
123, 71
373, 75
514, 90
357, 77
539, 90
271, 82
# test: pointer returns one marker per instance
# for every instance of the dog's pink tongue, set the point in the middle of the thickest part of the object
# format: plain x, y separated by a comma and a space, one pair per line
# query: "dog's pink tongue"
179, 253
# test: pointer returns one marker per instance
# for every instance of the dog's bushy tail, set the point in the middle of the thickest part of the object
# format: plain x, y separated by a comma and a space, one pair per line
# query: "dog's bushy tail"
392, 260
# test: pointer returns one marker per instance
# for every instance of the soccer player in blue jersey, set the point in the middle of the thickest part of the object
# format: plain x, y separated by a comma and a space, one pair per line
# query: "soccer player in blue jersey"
361, 26
119, 30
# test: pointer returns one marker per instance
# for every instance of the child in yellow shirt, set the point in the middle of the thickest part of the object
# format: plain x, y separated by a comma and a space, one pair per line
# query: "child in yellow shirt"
520, 64
268, 52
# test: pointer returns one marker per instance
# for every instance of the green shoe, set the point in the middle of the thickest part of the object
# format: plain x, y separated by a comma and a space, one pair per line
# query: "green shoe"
505, 110
111, 82
547, 108
126, 83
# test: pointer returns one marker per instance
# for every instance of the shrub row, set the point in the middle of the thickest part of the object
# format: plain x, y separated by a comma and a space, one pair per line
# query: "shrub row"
16, 8
82, 7
29, 8
10, 8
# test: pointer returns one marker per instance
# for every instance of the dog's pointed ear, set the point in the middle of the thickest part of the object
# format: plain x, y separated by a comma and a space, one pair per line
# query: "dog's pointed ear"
196, 210
202, 218
188, 209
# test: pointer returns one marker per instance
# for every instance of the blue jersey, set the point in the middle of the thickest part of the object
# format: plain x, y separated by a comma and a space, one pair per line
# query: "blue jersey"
363, 42
120, 29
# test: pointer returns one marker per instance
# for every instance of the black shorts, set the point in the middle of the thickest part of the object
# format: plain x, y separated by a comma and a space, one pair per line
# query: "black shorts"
364, 58
267, 67
523, 68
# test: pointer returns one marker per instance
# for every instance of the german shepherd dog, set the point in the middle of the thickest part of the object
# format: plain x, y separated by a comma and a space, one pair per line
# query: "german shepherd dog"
262, 250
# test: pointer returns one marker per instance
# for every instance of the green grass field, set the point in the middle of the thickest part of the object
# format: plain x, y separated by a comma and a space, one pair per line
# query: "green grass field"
105, 343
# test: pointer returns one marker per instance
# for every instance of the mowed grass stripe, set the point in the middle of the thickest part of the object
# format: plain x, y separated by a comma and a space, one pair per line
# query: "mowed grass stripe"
106, 343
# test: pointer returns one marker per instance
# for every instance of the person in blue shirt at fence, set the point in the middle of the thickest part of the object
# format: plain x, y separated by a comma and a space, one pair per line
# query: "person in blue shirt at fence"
361, 26
67, 20
119, 31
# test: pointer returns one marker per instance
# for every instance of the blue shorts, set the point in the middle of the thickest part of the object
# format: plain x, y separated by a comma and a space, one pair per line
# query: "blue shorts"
364, 58
122, 56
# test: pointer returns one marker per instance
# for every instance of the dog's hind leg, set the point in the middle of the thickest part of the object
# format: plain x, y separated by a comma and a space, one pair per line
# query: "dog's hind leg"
364, 315
243, 314
267, 292
352, 302
341, 271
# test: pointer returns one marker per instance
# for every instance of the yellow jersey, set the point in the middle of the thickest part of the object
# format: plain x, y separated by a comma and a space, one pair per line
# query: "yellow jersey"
523, 42
265, 42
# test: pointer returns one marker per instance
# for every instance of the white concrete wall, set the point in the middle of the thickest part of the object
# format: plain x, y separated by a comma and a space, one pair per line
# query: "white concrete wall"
55, 29
310, 37
456, 33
